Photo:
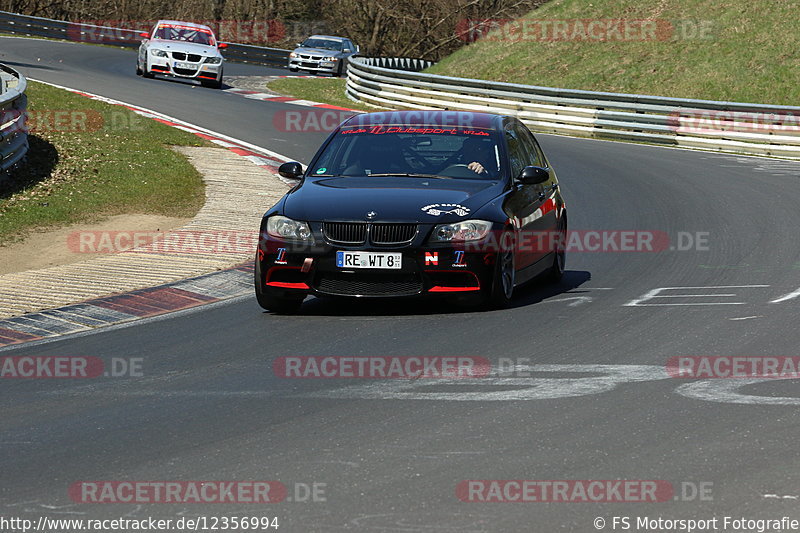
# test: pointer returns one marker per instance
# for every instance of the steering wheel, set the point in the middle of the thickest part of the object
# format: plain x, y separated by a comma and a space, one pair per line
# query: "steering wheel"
459, 170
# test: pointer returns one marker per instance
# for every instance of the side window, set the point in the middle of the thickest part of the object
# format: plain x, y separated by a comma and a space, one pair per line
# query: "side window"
542, 159
529, 145
348, 44
516, 152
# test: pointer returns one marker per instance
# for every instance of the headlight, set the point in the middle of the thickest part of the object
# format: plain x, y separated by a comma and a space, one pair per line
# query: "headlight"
467, 230
286, 228
292, 54
330, 58
213, 60
158, 53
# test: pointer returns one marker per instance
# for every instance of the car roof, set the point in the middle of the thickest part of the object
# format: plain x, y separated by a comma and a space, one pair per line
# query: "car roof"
183, 23
427, 117
331, 37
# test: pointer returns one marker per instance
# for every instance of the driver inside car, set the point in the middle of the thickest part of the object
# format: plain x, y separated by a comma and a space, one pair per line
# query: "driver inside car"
477, 154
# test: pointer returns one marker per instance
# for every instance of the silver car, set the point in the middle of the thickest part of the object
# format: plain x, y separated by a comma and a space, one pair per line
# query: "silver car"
322, 54
182, 50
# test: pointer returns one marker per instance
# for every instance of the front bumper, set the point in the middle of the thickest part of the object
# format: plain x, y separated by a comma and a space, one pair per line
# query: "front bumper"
311, 65
188, 70
288, 269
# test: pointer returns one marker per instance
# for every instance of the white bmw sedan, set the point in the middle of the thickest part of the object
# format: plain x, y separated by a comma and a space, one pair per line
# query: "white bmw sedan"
182, 50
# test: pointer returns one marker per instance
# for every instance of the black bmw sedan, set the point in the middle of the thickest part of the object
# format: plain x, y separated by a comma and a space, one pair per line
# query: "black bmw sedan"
414, 203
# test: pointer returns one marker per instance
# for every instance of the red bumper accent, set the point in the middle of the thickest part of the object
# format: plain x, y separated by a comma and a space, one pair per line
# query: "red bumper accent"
453, 289
286, 285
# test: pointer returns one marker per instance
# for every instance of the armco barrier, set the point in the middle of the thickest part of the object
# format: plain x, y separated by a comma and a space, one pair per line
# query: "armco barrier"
13, 104
73, 31
705, 124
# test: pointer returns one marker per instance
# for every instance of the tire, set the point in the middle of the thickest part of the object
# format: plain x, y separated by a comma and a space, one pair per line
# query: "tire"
556, 271
340, 70
138, 69
501, 291
146, 73
270, 302
213, 84
280, 306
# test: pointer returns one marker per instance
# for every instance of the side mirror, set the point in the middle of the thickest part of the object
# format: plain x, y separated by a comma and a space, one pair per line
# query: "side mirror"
346, 50
222, 45
291, 170
144, 35
533, 175
299, 45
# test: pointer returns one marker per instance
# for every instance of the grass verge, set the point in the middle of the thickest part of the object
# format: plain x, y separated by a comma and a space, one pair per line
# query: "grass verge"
736, 50
323, 90
89, 160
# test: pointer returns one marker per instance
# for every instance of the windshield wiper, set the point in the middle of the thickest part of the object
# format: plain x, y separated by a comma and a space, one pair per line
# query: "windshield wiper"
409, 175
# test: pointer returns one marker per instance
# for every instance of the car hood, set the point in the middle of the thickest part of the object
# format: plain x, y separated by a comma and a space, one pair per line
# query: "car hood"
183, 46
317, 51
423, 200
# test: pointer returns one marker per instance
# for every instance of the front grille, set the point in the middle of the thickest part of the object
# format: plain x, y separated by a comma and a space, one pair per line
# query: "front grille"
185, 71
355, 233
393, 233
345, 232
369, 284
183, 56
313, 58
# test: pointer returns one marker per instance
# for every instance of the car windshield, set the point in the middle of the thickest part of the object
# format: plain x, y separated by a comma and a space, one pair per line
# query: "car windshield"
413, 151
325, 44
185, 33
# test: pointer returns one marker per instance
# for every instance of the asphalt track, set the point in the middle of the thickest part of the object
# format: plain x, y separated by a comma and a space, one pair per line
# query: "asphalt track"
208, 406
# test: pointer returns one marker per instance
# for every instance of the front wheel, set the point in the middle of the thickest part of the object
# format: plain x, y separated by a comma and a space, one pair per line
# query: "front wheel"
501, 291
213, 84
146, 73
281, 306
556, 271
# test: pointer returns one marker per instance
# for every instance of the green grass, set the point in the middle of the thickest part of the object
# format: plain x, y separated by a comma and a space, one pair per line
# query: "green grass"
323, 90
752, 54
109, 161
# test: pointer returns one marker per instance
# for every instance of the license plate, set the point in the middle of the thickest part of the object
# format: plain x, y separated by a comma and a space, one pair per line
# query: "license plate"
184, 65
369, 260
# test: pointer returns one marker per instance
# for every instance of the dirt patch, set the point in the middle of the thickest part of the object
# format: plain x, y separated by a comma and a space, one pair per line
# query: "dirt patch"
51, 248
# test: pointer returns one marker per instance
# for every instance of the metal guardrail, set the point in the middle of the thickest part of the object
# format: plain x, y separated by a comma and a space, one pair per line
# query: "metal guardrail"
13, 105
89, 33
723, 126
400, 63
